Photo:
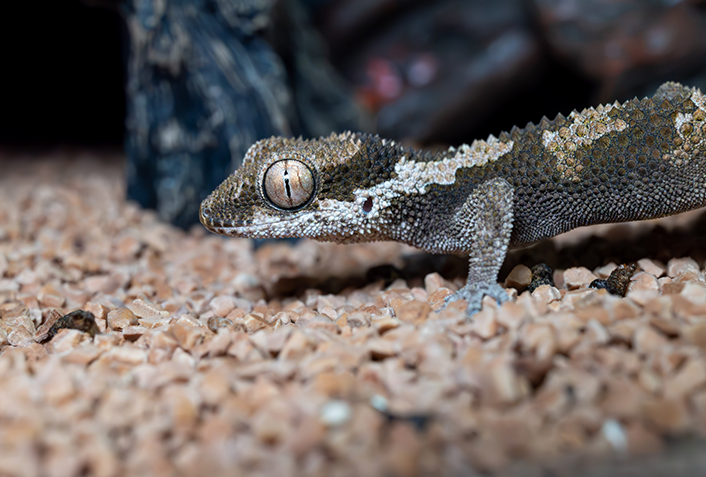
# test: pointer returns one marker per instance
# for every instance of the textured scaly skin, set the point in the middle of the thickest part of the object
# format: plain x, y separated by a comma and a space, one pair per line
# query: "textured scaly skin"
638, 160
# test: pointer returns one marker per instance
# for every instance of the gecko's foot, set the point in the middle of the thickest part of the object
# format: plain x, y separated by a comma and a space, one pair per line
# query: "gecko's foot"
473, 293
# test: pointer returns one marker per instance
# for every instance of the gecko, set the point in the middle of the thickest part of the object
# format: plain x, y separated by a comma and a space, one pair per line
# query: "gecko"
637, 160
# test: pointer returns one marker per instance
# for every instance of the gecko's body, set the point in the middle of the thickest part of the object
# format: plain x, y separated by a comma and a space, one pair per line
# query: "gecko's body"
639, 160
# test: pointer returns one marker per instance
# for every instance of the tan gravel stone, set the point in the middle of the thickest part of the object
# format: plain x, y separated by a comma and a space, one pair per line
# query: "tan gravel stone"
413, 311
617, 360
661, 307
668, 327
101, 283
698, 404
578, 277
596, 333
320, 322
121, 318
500, 383
690, 376
650, 381
66, 340
222, 305
641, 440
100, 312
433, 282
653, 267
695, 292
42, 332
696, 333
677, 266
329, 301
670, 416
643, 281
145, 310
624, 309
642, 297
153, 322
83, 355
268, 428
183, 406
3, 264
437, 299
296, 346
187, 335
273, 341
512, 315
546, 294
163, 339
606, 270
335, 384
622, 398
126, 354
56, 383
584, 298
215, 386
646, 339
309, 434
386, 324
484, 323
254, 322
594, 312
359, 318
18, 325
132, 333
568, 329
519, 277
381, 348
50, 297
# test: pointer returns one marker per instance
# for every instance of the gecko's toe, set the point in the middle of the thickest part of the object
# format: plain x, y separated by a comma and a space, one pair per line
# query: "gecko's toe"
474, 293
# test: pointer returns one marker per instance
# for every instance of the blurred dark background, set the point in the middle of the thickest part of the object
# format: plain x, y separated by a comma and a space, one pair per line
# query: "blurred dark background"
185, 87
63, 74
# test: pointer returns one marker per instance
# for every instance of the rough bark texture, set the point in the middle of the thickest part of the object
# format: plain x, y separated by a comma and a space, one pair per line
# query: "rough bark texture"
204, 84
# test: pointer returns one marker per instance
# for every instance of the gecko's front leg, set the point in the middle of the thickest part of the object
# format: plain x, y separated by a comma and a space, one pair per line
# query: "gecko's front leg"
484, 223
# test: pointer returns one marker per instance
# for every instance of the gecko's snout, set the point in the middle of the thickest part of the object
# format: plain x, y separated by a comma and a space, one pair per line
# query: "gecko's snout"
206, 215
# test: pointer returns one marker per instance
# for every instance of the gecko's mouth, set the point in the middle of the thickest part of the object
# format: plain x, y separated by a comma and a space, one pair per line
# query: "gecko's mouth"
248, 231
234, 228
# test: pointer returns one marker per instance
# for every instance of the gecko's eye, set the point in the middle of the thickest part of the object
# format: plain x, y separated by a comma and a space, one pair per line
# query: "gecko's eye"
288, 184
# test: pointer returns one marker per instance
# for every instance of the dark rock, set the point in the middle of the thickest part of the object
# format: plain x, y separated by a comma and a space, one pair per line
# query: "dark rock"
204, 84
81, 320
542, 274
618, 281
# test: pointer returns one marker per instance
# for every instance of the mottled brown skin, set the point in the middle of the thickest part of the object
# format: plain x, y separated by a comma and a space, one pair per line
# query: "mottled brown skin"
640, 160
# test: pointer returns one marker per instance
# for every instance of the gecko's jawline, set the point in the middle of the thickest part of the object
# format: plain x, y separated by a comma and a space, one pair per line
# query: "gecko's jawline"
251, 231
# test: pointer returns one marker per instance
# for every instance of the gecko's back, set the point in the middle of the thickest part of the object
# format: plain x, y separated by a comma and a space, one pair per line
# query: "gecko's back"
638, 160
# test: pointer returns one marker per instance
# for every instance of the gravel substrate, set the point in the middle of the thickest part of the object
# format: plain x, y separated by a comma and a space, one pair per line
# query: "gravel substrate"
213, 359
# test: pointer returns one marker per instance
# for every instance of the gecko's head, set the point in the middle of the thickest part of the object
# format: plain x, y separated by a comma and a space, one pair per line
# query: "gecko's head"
303, 188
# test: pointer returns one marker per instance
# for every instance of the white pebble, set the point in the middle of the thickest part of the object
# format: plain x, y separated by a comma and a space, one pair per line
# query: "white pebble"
614, 433
379, 402
335, 413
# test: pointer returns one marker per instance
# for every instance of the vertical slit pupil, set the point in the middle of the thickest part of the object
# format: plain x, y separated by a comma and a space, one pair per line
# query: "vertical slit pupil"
286, 184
